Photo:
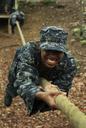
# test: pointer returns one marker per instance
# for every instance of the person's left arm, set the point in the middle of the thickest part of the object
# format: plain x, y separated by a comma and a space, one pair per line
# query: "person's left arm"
65, 78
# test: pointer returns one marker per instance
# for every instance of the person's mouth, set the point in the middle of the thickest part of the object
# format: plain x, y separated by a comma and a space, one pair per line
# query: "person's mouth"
52, 61
52, 58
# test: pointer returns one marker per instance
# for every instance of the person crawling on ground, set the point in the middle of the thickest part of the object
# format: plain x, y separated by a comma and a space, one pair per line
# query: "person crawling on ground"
41, 71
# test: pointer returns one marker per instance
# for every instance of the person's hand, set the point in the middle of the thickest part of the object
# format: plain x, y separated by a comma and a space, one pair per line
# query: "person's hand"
16, 16
51, 88
48, 97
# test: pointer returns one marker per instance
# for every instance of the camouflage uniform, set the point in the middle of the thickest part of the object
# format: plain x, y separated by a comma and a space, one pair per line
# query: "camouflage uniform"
26, 69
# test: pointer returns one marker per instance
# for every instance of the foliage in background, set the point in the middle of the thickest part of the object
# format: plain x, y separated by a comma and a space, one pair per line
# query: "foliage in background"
80, 33
47, 2
34, 2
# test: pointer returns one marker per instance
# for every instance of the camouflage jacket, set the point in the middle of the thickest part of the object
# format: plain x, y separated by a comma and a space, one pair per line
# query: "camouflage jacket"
26, 70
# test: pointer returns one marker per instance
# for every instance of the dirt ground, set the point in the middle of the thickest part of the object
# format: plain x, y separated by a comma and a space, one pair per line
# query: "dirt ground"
37, 17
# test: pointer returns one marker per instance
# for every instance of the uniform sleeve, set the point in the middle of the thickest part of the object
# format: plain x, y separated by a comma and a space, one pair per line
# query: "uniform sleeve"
66, 75
27, 77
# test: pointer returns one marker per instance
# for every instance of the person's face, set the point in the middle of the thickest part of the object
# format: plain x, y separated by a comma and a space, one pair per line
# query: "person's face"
51, 58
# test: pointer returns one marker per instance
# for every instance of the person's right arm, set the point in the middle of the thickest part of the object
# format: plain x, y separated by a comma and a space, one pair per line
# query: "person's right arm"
27, 77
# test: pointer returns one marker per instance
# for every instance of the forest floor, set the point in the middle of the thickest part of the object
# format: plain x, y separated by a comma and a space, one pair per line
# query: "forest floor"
37, 17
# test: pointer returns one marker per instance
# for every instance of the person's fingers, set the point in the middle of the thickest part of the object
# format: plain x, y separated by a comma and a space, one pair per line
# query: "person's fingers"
55, 93
51, 102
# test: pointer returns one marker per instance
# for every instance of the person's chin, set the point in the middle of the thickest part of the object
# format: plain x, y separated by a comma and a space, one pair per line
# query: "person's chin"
50, 63
50, 66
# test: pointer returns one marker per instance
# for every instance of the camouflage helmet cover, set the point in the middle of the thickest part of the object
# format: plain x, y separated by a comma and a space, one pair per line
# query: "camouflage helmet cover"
53, 38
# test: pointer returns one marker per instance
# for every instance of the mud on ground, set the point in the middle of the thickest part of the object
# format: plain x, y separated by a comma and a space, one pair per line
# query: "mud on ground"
37, 17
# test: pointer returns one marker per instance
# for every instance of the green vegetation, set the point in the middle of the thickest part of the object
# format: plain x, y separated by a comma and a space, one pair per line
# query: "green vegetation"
48, 2
76, 33
80, 33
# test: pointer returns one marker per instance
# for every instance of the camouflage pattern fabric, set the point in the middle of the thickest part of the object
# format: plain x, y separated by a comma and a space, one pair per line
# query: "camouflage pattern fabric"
17, 16
53, 38
26, 71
